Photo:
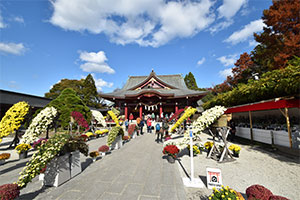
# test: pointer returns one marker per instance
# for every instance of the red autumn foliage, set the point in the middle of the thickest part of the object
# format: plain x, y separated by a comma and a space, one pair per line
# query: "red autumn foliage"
171, 150
9, 191
103, 148
258, 192
280, 40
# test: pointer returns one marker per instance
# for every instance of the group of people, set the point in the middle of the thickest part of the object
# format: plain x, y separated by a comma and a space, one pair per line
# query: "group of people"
161, 126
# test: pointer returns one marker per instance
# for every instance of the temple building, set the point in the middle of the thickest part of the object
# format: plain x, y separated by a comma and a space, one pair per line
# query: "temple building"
158, 94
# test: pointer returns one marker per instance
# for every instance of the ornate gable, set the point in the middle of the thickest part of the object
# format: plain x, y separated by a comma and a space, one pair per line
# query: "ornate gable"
152, 82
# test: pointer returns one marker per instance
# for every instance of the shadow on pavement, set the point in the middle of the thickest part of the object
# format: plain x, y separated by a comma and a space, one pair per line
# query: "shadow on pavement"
22, 164
32, 195
85, 164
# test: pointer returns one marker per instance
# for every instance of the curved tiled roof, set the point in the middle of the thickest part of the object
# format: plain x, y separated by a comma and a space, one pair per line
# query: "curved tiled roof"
175, 82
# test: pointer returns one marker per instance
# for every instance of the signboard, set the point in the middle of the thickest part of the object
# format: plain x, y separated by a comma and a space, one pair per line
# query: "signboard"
191, 134
214, 178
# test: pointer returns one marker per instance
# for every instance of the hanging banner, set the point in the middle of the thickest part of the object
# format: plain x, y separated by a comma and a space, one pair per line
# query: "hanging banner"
214, 178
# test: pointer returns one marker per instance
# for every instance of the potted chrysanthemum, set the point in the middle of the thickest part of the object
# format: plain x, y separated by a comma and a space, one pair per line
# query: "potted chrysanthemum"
171, 151
235, 150
103, 149
208, 145
22, 150
3, 157
94, 155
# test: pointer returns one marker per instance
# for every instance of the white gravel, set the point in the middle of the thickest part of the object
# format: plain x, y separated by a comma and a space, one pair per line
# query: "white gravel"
278, 173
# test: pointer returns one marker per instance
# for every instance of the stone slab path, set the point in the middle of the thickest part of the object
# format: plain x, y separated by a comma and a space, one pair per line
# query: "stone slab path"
136, 171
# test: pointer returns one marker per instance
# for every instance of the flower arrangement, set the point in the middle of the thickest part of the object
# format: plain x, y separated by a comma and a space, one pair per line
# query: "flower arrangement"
207, 118
235, 148
187, 113
13, 118
80, 119
53, 147
84, 137
99, 117
171, 150
9, 191
224, 193
196, 149
94, 154
114, 132
39, 143
4, 156
103, 148
114, 117
208, 144
126, 137
39, 125
102, 132
131, 128
22, 148
89, 134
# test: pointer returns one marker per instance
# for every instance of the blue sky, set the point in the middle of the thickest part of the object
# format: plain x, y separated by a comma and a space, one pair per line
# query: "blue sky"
42, 42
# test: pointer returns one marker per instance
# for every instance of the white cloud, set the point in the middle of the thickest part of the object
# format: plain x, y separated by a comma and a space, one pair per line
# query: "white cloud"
145, 22
220, 26
95, 67
100, 83
230, 8
246, 32
12, 48
201, 61
226, 72
253, 43
95, 62
19, 19
228, 60
2, 24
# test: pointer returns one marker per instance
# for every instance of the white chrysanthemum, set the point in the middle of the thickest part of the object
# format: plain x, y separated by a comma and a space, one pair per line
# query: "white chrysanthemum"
99, 117
39, 125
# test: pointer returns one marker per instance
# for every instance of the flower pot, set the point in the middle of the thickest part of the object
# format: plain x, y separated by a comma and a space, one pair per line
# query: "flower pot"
170, 159
235, 154
2, 161
208, 150
102, 153
23, 155
94, 159
75, 164
41, 177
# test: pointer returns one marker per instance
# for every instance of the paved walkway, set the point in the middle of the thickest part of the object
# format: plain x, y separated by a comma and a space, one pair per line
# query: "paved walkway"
136, 171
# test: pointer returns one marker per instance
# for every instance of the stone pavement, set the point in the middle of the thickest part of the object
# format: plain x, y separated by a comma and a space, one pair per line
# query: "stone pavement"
136, 171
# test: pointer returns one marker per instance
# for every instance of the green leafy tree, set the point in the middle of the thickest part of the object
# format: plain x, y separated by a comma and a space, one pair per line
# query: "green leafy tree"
67, 102
84, 88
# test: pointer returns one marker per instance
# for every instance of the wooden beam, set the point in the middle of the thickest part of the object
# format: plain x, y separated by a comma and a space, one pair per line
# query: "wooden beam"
288, 125
251, 130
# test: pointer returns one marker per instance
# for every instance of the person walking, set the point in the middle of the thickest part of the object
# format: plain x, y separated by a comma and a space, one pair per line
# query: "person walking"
165, 127
138, 121
126, 124
149, 128
142, 126
159, 132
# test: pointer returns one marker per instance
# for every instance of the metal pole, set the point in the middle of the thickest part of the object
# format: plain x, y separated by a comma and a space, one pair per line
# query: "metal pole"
288, 126
192, 156
251, 130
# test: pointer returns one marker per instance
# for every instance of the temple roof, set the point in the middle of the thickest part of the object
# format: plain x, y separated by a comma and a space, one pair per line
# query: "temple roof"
167, 86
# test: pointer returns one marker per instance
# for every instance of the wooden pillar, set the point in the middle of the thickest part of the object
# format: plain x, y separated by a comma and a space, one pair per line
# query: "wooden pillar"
176, 107
160, 110
288, 126
141, 111
126, 111
251, 130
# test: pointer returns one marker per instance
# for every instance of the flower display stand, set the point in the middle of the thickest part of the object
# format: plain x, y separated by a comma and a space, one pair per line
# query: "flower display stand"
75, 164
117, 144
102, 153
41, 177
58, 171
2, 162
134, 134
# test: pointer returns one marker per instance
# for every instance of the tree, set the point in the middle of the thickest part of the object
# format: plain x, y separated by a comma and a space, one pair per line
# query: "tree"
280, 39
190, 81
67, 102
89, 91
84, 88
